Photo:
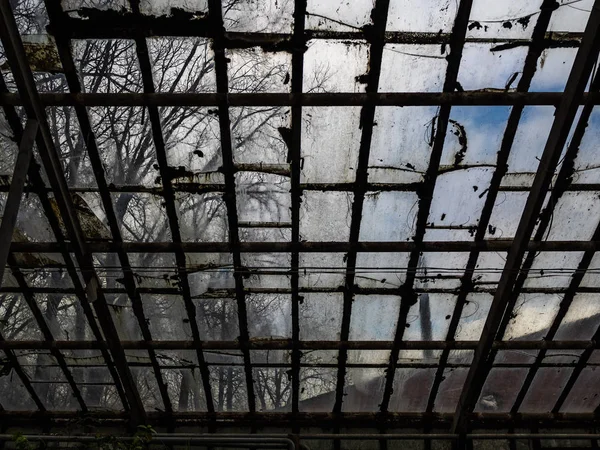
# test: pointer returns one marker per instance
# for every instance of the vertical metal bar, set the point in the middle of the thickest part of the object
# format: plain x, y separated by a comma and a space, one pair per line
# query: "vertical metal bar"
216, 15
17, 184
34, 109
466, 287
63, 45
169, 194
565, 114
376, 38
296, 154
409, 297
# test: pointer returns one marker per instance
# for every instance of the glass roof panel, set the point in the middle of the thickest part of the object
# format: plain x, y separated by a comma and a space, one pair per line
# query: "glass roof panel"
354, 219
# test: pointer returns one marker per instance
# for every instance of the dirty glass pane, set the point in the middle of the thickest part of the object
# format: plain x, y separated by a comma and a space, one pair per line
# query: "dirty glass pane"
125, 144
545, 389
458, 200
421, 15
14, 395
32, 223
202, 217
426, 320
124, 317
64, 316
147, 387
574, 217
401, 145
363, 390
182, 64
554, 269
338, 15
321, 317
501, 389
260, 16
327, 270
325, 216
272, 388
330, 144
412, 68
411, 389
317, 389
255, 70
109, 65
185, 389
217, 319
374, 317
388, 216
587, 162
229, 388
260, 135
335, 66
263, 197
166, 317
582, 318
192, 146
441, 269
515, 19
269, 316
381, 270
16, 320
584, 396
141, 217
450, 389
474, 73
553, 70
532, 316
473, 317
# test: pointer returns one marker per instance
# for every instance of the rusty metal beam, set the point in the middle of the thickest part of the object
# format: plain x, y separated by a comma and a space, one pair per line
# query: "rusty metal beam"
15, 193
216, 19
199, 99
299, 45
228, 293
112, 24
111, 419
376, 34
287, 344
565, 114
496, 245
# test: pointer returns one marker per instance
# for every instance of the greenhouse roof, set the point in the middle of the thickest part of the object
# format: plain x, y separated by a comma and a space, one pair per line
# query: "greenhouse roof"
310, 212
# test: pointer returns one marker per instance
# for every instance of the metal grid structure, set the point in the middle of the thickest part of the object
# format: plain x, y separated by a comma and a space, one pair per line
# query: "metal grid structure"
225, 377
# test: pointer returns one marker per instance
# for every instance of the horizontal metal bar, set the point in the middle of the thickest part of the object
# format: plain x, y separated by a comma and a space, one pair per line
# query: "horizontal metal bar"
285, 419
201, 188
499, 245
274, 438
466, 98
287, 344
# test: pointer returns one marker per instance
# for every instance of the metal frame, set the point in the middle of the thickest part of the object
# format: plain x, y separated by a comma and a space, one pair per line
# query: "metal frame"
78, 252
